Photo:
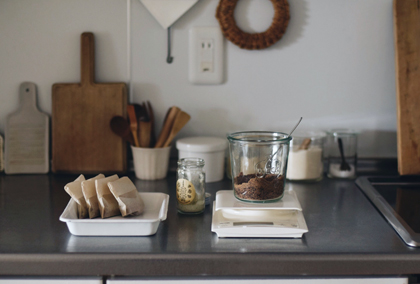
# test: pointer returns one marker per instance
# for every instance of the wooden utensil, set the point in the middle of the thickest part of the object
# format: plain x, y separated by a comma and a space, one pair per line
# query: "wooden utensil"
120, 126
305, 144
82, 141
139, 110
27, 136
407, 63
152, 122
145, 133
167, 126
180, 120
144, 125
133, 124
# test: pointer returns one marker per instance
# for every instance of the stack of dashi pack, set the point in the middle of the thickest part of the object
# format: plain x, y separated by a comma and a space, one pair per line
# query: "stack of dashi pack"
105, 196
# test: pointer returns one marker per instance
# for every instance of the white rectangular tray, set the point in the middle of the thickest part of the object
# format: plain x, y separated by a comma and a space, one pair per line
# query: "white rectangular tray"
226, 200
155, 211
258, 223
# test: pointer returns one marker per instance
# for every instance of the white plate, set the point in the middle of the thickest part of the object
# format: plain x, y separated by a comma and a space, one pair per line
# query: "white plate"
226, 200
155, 211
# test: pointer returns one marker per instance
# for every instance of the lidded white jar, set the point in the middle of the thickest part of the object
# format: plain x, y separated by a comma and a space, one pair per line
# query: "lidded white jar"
211, 149
305, 161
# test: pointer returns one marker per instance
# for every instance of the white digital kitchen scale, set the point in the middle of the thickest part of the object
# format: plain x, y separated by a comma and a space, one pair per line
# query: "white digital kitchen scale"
236, 219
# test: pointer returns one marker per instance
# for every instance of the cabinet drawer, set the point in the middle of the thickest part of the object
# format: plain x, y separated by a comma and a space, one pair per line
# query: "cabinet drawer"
50, 280
266, 281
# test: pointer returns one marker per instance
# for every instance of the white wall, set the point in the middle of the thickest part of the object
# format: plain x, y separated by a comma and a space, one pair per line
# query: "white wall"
334, 66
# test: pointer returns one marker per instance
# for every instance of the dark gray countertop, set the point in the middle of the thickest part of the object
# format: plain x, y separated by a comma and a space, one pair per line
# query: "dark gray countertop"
347, 236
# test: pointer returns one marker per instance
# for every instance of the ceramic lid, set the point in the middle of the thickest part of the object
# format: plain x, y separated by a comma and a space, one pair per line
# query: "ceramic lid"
202, 144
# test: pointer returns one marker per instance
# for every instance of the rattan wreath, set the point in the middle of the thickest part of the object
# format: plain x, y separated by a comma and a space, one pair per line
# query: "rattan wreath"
225, 16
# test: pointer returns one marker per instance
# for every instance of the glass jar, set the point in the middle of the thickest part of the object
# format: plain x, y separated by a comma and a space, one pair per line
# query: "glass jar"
190, 186
258, 163
342, 153
305, 161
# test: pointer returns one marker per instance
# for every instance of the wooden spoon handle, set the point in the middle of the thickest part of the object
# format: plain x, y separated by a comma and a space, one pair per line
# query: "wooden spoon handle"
145, 131
87, 58
136, 141
167, 126
180, 120
152, 122
305, 144
133, 123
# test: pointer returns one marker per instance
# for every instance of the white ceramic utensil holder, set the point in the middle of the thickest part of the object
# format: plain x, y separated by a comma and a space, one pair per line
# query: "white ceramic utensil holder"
151, 163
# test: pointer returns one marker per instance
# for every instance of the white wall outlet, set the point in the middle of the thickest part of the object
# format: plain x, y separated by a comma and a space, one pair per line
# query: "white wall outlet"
206, 55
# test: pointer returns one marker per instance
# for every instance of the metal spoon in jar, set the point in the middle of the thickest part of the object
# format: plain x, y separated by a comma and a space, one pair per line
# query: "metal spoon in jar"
261, 172
344, 166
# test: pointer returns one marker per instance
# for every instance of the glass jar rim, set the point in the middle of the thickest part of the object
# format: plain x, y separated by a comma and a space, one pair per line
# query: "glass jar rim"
342, 132
259, 136
191, 162
313, 134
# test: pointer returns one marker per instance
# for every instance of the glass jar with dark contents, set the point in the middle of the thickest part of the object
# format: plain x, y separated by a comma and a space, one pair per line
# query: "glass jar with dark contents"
258, 163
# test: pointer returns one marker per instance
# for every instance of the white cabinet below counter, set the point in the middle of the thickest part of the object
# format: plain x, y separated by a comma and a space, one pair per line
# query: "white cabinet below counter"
51, 280
396, 280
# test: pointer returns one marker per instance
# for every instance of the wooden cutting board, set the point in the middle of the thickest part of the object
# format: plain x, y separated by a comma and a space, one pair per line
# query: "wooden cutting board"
407, 66
27, 136
82, 141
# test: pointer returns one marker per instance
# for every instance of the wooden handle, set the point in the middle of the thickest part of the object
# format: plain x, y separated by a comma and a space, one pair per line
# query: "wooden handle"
87, 58
133, 123
152, 124
180, 120
144, 133
167, 126
305, 144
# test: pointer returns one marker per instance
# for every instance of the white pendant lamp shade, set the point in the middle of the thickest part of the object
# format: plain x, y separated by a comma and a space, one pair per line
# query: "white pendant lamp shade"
167, 12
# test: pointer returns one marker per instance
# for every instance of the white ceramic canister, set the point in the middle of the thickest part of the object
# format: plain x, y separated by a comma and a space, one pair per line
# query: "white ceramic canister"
305, 161
210, 149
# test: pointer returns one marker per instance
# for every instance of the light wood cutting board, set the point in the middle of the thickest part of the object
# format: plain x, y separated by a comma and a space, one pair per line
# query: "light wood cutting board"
407, 66
27, 136
82, 141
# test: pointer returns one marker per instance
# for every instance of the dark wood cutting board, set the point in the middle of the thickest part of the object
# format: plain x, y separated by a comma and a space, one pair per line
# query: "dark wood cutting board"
82, 141
407, 66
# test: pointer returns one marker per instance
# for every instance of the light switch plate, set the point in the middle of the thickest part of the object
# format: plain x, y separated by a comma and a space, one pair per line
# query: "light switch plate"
206, 55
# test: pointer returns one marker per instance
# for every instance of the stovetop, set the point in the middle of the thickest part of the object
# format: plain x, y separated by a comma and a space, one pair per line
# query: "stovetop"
398, 199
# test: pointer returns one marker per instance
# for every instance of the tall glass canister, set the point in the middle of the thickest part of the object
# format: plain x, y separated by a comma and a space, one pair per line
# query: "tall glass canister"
258, 163
190, 186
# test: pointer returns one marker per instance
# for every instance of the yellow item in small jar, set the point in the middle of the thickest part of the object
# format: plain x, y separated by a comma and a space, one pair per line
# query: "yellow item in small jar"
185, 191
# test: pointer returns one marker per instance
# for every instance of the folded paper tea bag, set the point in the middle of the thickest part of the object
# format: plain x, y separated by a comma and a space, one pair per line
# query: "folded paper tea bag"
74, 189
128, 197
89, 192
108, 205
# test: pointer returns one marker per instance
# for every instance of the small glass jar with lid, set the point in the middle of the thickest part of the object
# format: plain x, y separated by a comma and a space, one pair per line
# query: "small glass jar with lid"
305, 161
190, 186
342, 153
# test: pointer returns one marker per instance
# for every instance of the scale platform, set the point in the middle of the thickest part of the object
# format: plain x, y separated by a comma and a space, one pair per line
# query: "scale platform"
236, 219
